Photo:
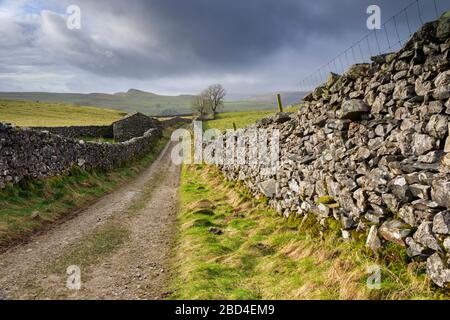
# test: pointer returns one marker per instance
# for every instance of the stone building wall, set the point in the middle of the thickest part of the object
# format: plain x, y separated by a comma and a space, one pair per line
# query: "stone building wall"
375, 144
30, 153
133, 125
80, 131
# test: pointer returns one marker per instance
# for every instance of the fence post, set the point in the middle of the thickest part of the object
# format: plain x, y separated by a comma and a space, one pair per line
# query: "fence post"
280, 105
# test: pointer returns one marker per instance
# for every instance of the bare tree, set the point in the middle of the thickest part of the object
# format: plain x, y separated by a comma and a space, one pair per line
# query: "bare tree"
215, 94
201, 105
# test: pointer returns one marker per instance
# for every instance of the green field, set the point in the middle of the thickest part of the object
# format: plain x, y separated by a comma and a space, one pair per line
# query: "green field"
34, 114
225, 121
136, 100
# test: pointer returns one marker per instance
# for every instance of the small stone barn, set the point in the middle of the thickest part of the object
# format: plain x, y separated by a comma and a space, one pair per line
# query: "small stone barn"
133, 125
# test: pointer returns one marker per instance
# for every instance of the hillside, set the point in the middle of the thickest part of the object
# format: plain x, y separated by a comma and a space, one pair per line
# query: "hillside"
145, 102
133, 100
25, 113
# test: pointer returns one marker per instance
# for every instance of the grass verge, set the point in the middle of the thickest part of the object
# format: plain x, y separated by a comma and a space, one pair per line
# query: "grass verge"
225, 121
231, 246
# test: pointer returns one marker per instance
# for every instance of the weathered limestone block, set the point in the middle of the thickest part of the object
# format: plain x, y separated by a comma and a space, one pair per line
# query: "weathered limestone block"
357, 70
438, 126
400, 189
422, 87
425, 236
422, 143
395, 231
447, 142
414, 249
373, 241
441, 223
268, 187
353, 109
438, 270
440, 192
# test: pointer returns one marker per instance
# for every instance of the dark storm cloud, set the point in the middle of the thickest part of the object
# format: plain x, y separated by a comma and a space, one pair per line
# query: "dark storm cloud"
205, 35
247, 39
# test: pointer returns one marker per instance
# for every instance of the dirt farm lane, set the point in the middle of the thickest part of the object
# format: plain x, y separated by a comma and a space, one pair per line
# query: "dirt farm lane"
121, 245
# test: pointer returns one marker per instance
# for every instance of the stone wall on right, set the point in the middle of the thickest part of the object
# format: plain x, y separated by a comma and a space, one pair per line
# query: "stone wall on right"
374, 143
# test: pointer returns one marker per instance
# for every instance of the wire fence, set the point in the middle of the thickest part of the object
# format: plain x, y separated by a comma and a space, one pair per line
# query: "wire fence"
392, 35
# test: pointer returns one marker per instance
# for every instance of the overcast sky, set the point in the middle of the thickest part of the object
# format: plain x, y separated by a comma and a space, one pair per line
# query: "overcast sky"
180, 46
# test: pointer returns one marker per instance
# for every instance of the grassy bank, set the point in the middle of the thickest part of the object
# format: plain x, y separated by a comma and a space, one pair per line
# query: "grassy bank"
230, 246
35, 114
33, 205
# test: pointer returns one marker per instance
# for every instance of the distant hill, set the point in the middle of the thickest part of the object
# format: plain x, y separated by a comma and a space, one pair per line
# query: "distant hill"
147, 102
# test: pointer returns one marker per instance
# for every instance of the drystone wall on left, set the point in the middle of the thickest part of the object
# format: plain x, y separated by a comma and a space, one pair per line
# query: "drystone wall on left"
28, 153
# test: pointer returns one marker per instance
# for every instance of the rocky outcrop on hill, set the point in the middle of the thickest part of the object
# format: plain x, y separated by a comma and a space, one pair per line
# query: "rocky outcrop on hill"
376, 141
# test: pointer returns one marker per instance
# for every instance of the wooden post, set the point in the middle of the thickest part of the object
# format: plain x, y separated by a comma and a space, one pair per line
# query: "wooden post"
234, 126
280, 105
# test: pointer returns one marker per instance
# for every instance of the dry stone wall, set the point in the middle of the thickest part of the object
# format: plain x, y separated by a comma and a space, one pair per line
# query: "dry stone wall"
375, 144
25, 152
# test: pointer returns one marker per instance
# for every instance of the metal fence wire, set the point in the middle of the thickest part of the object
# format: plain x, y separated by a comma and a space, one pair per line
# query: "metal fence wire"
392, 35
